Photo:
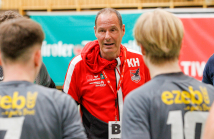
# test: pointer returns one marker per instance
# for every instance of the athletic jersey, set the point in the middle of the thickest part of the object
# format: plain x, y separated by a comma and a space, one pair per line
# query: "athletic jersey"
90, 88
170, 106
43, 77
30, 111
208, 74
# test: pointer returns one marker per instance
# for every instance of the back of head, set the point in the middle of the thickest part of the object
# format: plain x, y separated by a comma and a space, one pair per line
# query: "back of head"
9, 15
160, 33
17, 37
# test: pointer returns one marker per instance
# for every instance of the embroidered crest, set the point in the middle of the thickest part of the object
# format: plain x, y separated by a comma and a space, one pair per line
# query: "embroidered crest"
135, 75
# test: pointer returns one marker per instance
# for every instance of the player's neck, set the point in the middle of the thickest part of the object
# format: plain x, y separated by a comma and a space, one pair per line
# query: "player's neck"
169, 67
17, 72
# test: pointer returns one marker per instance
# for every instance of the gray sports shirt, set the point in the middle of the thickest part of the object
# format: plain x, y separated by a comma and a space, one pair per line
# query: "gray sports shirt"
43, 77
30, 111
170, 106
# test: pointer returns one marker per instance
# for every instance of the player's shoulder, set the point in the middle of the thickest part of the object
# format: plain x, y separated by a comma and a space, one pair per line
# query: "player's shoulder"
145, 91
211, 59
51, 94
75, 64
209, 87
76, 60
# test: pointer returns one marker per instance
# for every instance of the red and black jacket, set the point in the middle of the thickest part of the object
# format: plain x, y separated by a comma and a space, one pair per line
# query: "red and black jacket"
85, 82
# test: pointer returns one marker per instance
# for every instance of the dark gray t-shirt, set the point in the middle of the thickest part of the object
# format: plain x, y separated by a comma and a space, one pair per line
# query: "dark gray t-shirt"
167, 107
43, 77
30, 111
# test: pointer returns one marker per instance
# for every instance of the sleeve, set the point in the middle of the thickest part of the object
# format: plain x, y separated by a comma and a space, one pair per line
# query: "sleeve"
71, 84
208, 71
71, 121
135, 122
44, 78
1, 74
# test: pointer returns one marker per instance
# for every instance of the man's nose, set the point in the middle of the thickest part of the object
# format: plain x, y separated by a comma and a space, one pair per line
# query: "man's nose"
107, 35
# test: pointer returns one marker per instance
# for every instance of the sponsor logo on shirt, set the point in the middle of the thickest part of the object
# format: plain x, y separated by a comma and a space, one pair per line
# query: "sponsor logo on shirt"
197, 99
18, 105
98, 83
90, 78
135, 75
96, 80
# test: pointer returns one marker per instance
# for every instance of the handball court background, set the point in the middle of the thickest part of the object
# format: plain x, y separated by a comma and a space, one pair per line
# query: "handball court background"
68, 32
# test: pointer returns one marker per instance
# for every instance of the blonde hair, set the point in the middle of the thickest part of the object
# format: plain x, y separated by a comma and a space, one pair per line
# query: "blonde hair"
160, 33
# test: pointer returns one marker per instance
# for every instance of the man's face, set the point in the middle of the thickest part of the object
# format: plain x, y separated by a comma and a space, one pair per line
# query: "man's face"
109, 35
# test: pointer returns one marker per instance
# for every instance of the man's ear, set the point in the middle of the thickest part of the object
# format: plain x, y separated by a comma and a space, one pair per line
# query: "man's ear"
123, 29
95, 31
37, 58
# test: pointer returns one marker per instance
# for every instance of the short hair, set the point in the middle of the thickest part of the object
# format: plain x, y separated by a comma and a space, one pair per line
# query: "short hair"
109, 11
160, 33
17, 36
9, 15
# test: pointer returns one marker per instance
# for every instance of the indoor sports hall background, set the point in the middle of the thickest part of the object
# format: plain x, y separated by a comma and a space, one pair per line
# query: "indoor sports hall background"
66, 32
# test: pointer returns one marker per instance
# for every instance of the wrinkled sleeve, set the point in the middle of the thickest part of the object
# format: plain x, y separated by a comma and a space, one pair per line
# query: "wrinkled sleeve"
43, 78
209, 71
1, 74
71, 83
135, 122
71, 124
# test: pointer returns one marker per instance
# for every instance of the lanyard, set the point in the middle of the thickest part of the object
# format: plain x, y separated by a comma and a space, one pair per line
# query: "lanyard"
119, 84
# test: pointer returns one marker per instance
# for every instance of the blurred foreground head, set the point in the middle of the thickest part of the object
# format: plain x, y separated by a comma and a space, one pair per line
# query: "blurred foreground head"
160, 34
20, 40
9, 15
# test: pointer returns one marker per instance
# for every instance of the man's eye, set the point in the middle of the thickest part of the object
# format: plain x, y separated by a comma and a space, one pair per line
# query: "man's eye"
102, 31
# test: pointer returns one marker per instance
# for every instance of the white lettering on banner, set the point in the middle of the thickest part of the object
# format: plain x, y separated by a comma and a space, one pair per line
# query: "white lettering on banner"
195, 67
62, 50
133, 64
59, 49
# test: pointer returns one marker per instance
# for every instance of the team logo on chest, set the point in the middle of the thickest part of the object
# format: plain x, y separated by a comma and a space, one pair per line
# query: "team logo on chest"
135, 75
96, 80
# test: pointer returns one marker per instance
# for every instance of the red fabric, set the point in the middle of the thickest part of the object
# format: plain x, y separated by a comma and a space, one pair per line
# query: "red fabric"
197, 45
92, 59
88, 88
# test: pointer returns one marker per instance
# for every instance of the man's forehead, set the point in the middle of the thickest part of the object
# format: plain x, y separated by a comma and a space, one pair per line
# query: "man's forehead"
107, 19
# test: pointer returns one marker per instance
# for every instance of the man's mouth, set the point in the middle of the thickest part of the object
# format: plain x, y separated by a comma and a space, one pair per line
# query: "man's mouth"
108, 44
